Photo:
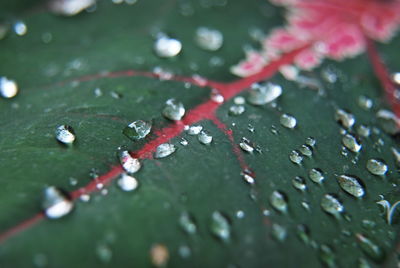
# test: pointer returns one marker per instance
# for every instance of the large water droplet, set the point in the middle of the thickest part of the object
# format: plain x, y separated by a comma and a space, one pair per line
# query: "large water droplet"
288, 121
344, 118
8, 88
65, 134
209, 39
166, 47
351, 185
204, 137
316, 175
331, 204
261, 94
137, 130
351, 142
70, 7
130, 164
306, 150
370, 248
220, 226
194, 130
127, 183
173, 110
299, 183
295, 157
279, 232
56, 203
187, 223
164, 150
377, 167
279, 201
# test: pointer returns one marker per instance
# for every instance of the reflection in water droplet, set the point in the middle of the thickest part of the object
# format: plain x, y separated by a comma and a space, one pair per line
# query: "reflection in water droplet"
331, 204
295, 157
299, 183
239, 100
130, 164
20, 28
70, 7
247, 176
8, 88
279, 232
389, 121
236, 109
351, 142
104, 253
377, 167
137, 130
204, 137
194, 130
370, 248
240, 214
65, 134
187, 223
306, 150
127, 183
166, 47
159, 255
288, 121
316, 175
261, 94
164, 150
220, 226
173, 110
246, 145
344, 118
209, 39
351, 185
56, 203
279, 201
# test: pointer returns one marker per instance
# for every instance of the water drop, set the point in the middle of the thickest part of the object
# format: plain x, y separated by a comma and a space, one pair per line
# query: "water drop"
396, 155
288, 121
363, 131
351, 185
209, 39
70, 7
303, 233
104, 253
8, 88
164, 150
194, 130
351, 142
137, 130
316, 175
216, 96
365, 102
299, 183
327, 256
246, 145
20, 28
173, 110
204, 137
127, 183
331, 205
166, 47
56, 203
295, 157
85, 198
247, 176
370, 248
344, 118
239, 100
377, 167
65, 134
130, 164
279, 232
389, 121
279, 201
159, 255
187, 223
306, 150
236, 110
220, 226
311, 141
261, 94
240, 214
184, 251
184, 142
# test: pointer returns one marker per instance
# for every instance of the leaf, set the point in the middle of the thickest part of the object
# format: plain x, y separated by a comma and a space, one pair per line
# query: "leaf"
104, 49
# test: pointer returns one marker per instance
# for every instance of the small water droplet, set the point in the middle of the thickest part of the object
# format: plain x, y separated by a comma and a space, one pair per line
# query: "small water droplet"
299, 183
306, 150
247, 176
209, 39
363, 131
216, 96
194, 130
351, 185
316, 175
184, 142
240, 214
173, 110
279, 201
261, 94
73, 181
187, 223
331, 205
127, 183
164, 150
204, 137
8, 88
327, 256
365, 102
288, 121
370, 248
388, 120
236, 110
377, 167
295, 157
246, 145
279, 232
344, 118
311, 141
104, 252
351, 142
20, 28
220, 226
239, 100
166, 47
56, 203
65, 134
303, 233
130, 164
137, 130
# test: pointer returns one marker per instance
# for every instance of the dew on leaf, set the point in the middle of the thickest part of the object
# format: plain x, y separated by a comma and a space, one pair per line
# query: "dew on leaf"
251, 128
351, 185
20, 28
288, 121
85, 198
327, 256
240, 214
365, 102
137, 130
173, 110
316, 175
306, 150
388, 120
56, 203
129, 163
187, 223
363, 131
247, 176
70, 7
220, 226
368, 224
184, 142
299, 183
216, 96
162, 73
166, 47
331, 204
278, 201
164, 150
104, 253
351, 142
204, 137
236, 110
159, 255
261, 94
8, 88
65, 134
303, 232
396, 155
194, 130
370, 248
305, 205
209, 39
311, 141
239, 100
127, 183
295, 157
377, 167
279, 232
344, 118
246, 145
